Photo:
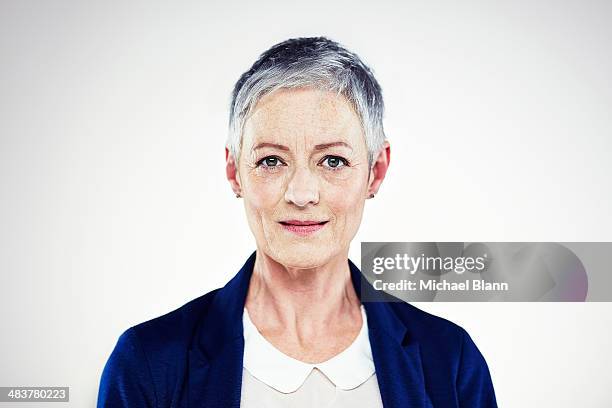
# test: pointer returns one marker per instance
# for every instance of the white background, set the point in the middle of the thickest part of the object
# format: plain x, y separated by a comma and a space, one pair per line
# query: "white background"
114, 207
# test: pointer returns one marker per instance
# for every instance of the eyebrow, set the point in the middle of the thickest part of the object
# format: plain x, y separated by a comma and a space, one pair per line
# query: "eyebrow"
322, 146
274, 145
328, 145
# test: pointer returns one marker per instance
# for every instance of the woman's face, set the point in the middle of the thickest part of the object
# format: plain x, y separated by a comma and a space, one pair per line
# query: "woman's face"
303, 161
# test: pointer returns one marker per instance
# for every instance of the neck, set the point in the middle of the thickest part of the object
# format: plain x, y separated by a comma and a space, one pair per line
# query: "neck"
298, 299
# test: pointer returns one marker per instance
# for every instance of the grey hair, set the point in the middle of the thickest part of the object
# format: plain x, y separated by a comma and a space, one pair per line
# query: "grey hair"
310, 62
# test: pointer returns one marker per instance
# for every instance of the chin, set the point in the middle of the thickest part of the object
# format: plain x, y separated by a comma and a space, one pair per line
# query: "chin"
303, 255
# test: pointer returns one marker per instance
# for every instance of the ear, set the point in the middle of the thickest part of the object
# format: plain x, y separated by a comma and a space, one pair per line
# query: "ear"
231, 172
379, 169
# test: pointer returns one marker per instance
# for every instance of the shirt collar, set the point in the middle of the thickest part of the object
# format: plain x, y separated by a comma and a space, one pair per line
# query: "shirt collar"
347, 370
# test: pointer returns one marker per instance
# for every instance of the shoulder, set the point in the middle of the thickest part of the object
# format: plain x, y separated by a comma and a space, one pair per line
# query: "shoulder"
447, 349
149, 354
428, 328
174, 329
439, 339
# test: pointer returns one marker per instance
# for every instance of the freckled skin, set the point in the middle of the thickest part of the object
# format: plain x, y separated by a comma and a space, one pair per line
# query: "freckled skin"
302, 182
300, 296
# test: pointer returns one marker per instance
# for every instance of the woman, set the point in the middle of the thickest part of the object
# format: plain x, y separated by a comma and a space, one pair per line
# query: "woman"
306, 148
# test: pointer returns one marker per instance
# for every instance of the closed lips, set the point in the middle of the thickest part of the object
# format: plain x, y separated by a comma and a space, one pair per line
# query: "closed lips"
295, 222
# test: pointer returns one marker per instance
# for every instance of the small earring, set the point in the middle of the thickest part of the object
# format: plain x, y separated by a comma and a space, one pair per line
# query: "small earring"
372, 195
238, 195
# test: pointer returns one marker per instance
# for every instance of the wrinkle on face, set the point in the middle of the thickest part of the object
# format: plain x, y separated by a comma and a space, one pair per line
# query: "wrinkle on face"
299, 120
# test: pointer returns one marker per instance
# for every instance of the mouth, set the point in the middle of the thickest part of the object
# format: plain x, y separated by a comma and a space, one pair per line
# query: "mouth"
303, 228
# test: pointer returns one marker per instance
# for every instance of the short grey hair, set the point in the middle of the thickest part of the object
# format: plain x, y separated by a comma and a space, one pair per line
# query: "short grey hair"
310, 62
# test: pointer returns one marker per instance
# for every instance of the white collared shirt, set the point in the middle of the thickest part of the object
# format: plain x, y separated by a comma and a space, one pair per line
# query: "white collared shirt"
274, 379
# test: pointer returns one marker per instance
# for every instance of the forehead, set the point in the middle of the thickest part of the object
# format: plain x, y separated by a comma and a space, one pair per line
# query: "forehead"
304, 115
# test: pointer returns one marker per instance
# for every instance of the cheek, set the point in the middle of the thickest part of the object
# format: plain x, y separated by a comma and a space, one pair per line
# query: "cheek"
343, 198
262, 195
346, 198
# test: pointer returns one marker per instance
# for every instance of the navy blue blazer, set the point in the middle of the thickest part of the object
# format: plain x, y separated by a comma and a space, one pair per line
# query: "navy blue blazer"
192, 357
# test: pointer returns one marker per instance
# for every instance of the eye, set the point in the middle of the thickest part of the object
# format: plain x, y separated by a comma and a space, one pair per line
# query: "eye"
335, 162
269, 162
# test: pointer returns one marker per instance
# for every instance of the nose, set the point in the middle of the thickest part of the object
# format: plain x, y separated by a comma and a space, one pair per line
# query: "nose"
303, 188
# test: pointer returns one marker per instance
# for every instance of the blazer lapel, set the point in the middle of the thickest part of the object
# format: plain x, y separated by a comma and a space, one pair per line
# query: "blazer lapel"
216, 360
397, 357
